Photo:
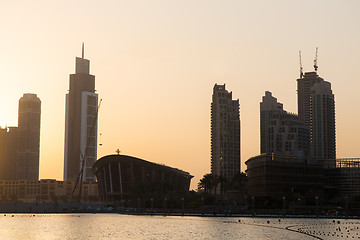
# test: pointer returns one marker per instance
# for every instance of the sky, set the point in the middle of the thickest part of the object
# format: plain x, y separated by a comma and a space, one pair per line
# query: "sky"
156, 62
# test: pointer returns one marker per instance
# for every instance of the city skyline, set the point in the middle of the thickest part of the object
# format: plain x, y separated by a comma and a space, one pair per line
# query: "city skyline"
155, 70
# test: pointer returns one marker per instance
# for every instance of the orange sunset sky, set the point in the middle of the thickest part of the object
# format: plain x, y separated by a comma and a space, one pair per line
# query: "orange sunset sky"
156, 62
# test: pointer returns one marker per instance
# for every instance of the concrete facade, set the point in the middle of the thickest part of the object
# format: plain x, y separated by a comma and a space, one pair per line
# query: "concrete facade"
28, 140
8, 147
281, 132
225, 133
316, 108
275, 176
304, 86
45, 190
322, 122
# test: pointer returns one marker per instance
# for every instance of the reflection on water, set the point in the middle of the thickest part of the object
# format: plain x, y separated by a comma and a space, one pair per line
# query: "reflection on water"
114, 226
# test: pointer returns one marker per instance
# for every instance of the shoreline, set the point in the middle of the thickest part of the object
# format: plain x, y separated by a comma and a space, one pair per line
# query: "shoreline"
102, 208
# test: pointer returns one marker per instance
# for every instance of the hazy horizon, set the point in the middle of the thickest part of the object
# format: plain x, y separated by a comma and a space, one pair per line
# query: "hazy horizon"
156, 62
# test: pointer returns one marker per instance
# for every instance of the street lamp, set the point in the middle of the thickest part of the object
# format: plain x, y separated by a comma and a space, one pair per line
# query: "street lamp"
284, 204
253, 204
165, 203
182, 205
283, 198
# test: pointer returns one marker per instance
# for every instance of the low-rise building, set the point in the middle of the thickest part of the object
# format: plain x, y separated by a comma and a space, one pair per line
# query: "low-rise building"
272, 176
122, 177
46, 190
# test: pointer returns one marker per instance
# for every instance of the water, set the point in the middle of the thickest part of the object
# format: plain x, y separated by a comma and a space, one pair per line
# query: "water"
115, 226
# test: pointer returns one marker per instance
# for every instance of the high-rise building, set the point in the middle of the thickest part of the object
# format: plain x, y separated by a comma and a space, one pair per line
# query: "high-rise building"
8, 146
304, 85
316, 107
81, 123
322, 122
28, 140
225, 133
281, 132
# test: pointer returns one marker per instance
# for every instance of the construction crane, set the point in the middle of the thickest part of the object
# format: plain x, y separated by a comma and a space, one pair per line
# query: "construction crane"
301, 68
83, 156
315, 60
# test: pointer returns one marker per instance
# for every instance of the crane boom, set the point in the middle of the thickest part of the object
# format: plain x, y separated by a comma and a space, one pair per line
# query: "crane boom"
315, 60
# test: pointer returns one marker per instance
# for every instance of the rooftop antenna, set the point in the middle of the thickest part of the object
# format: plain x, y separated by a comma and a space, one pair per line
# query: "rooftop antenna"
82, 53
315, 60
301, 68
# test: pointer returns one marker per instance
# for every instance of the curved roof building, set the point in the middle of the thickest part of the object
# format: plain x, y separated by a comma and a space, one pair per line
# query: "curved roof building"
122, 177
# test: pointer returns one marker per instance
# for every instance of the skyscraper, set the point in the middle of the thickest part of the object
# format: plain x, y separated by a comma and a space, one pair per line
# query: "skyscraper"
281, 132
81, 123
28, 140
225, 133
322, 122
316, 107
304, 85
8, 146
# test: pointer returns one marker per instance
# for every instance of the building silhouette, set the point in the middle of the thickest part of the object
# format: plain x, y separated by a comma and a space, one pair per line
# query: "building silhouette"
281, 132
298, 153
122, 177
80, 123
225, 133
44, 190
277, 179
316, 108
272, 177
28, 139
322, 122
8, 147
304, 85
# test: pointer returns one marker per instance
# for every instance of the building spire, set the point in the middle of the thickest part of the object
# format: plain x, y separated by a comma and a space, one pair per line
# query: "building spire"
82, 65
82, 52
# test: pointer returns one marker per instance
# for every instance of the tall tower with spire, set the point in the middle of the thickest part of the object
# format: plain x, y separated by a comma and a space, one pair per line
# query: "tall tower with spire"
80, 123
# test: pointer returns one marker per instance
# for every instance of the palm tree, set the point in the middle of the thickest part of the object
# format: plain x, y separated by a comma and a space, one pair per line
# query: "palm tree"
208, 183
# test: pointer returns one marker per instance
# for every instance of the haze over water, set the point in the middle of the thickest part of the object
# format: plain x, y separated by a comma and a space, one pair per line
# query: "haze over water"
116, 226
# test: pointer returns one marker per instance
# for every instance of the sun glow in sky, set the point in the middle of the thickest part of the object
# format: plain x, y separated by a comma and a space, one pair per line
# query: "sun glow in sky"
156, 62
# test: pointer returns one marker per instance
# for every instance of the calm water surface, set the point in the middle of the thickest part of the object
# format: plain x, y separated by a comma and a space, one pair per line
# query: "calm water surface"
115, 226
